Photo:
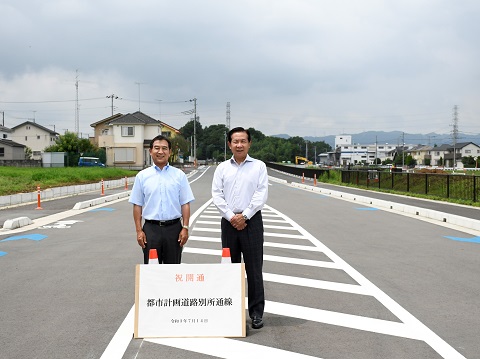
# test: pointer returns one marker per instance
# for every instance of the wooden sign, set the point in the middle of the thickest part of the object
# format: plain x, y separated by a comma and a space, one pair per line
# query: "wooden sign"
190, 300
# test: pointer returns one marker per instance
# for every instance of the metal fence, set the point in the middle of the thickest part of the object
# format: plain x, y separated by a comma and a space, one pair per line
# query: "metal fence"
299, 171
453, 186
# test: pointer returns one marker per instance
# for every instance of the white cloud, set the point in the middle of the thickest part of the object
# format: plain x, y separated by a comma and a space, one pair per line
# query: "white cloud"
298, 67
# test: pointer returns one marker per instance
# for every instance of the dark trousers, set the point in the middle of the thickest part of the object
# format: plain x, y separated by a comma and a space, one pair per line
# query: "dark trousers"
248, 242
165, 240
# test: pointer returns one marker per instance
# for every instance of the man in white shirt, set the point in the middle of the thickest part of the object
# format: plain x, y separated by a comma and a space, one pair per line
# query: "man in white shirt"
239, 191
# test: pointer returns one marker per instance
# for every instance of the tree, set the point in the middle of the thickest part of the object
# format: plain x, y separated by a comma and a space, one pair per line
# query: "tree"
28, 153
469, 162
188, 130
179, 147
410, 161
76, 147
213, 142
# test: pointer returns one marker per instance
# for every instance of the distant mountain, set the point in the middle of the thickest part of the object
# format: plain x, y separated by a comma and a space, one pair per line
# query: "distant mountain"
395, 137
282, 135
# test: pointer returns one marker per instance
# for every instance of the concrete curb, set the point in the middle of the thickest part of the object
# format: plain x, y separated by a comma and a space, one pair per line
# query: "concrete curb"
397, 207
101, 200
25, 221
58, 192
17, 223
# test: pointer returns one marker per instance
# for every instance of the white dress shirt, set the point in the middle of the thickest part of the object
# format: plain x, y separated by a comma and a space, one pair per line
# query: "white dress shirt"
161, 192
240, 188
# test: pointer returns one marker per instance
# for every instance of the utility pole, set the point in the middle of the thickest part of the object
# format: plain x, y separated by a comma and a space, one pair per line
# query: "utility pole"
160, 110
403, 149
139, 83
194, 131
455, 134
112, 96
3, 118
227, 125
76, 105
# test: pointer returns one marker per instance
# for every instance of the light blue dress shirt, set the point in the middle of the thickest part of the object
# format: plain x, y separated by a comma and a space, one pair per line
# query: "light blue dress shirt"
240, 188
161, 193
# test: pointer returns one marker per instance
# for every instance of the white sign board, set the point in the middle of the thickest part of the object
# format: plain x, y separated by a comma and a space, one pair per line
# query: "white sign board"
190, 300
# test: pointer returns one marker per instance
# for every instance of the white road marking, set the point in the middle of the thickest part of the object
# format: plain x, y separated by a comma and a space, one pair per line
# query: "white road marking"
315, 283
120, 341
228, 348
408, 326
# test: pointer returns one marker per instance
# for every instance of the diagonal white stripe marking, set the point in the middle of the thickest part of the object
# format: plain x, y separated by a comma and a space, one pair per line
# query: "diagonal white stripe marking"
228, 348
315, 283
344, 320
305, 262
432, 339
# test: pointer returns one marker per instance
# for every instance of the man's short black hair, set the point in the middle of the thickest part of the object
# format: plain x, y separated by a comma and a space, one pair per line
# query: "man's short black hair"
161, 138
238, 129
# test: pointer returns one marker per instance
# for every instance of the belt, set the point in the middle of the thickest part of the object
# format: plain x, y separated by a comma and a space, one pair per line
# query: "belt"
163, 223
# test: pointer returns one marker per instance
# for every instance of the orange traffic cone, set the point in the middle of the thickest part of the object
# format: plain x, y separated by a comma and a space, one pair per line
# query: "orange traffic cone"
153, 257
226, 256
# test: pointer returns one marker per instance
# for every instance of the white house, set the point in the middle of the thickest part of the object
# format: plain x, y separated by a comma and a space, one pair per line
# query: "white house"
34, 136
357, 153
126, 138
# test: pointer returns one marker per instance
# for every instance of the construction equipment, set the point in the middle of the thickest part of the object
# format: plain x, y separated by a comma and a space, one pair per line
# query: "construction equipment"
305, 160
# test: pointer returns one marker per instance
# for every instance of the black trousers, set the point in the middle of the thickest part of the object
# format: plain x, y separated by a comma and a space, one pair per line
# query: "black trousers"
248, 242
165, 240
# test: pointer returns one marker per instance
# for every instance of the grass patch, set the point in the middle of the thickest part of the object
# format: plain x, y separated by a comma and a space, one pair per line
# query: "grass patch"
23, 180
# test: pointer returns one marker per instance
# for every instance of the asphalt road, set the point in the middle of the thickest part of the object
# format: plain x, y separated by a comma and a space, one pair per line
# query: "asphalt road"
342, 280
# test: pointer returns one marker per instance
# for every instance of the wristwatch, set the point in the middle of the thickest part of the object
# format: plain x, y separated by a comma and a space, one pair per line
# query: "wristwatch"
186, 227
245, 218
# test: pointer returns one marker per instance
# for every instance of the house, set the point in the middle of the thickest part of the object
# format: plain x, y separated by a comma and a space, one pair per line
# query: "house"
35, 137
11, 151
460, 150
437, 155
126, 138
4, 132
421, 154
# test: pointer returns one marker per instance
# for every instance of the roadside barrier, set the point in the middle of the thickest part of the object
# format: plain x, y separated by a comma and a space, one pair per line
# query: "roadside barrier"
153, 257
226, 256
38, 198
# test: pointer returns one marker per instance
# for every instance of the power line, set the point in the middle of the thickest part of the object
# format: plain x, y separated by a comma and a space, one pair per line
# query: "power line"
51, 101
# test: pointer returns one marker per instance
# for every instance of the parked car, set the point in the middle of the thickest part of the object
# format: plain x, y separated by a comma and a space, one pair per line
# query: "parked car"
90, 162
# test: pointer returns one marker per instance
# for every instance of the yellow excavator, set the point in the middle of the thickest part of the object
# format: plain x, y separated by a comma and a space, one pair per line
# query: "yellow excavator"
303, 159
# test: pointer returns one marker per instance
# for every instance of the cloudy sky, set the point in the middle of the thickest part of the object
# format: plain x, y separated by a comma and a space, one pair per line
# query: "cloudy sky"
301, 67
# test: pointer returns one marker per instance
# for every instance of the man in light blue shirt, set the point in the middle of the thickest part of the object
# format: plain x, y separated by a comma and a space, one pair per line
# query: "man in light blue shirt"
161, 195
239, 191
